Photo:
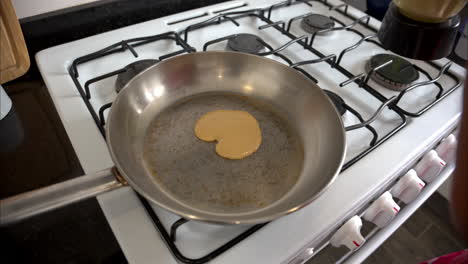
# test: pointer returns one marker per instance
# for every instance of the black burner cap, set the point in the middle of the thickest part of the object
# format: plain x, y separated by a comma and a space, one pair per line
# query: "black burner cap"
337, 101
247, 43
130, 71
396, 76
316, 22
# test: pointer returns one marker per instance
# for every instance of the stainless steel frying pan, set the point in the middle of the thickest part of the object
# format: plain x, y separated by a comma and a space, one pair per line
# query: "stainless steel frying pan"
151, 141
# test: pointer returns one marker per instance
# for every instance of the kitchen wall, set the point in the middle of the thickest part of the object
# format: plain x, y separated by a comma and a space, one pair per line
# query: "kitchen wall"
28, 8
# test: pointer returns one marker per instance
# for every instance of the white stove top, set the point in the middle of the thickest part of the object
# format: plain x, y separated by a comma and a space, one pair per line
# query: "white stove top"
280, 239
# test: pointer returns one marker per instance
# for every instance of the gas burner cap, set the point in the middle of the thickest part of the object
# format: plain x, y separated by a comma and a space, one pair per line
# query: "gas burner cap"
130, 71
396, 76
247, 43
315, 22
337, 101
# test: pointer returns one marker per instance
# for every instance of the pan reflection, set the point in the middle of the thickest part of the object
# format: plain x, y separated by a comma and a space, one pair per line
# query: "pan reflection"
152, 93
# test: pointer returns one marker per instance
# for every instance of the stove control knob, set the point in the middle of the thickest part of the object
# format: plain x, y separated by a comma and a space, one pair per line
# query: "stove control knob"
349, 234
382, 210
447, 148
408, 187
430, 166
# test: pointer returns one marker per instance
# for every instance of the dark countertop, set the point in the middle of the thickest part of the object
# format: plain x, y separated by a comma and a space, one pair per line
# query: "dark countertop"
75, 234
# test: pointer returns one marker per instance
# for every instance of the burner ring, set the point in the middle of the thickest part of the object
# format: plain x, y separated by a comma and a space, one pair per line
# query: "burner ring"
396, 76
315, 22
337, 101
131, 70
247, 43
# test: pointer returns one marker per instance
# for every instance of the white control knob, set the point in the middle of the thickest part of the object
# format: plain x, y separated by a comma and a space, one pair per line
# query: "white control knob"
349, 234
408, 187
382, 210
430, 166
447, 148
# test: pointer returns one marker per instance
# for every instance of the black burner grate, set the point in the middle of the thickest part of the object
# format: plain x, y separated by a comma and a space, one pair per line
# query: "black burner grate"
119, 47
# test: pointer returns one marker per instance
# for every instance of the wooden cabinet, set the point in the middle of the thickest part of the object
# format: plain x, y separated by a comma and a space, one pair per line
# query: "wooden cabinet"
14, 58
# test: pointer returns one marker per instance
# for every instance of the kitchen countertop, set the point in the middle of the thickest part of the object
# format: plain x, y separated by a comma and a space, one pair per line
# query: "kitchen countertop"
75, 234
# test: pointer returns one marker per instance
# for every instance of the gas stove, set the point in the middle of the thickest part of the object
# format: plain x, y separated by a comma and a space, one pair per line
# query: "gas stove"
394, 110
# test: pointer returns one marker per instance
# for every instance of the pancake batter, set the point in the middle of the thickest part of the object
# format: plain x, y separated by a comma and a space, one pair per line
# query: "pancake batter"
237, 132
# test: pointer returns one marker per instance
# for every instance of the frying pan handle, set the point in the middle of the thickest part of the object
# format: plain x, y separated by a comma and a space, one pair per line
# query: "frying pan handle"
38, 201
